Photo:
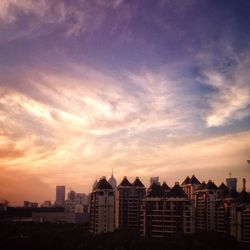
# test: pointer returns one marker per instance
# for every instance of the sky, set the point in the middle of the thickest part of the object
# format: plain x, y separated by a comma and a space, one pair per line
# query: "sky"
148, 88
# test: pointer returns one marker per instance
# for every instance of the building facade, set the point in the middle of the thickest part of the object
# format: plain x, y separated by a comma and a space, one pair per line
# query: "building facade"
128, 203
60, 195
204, 202
102, 207
166, 214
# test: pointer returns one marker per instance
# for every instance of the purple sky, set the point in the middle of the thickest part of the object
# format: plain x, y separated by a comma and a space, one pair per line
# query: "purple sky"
149, 88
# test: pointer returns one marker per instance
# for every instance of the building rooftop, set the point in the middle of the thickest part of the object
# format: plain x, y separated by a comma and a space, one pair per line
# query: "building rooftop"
138, 183
165, 186
177, 192
103, 184
222, 186
154, 190
223, 189
194, 180
210, 185
186, 181
202, 185
125, 182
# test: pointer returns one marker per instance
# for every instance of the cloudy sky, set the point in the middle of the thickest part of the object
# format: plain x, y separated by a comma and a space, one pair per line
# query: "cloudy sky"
148, 88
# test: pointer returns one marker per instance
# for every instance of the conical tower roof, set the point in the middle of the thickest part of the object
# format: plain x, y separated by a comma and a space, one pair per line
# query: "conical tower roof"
125, 182
223, 186
103, 184
223, 189
177, 192
186, 181
154, 190
94, 184
138, 183
165, 188
112, 182
210, 185
202, 185
194, 180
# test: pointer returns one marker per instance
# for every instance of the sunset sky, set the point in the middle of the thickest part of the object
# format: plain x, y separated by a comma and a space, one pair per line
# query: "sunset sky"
146, 87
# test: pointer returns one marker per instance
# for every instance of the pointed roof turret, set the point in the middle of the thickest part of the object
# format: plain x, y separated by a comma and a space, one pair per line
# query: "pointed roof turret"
138, 183
177, 192
125, 182
202, 185
210, 185
222, 186
186, 181
103, 184
194, 180
154, 190
112, 181
223, 189
165, 188
94, 184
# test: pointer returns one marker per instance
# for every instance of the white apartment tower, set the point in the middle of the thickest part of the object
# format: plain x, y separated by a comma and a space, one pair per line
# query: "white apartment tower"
102, 205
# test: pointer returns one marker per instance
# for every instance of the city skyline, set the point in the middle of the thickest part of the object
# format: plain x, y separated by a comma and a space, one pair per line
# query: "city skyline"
53, 197
146, 88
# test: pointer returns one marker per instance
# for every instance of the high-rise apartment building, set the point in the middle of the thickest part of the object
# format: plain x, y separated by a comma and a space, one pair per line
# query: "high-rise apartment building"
205, 206
102, 205
128, 202
240, 216
164, 214
60, 195
222, 209
190, 185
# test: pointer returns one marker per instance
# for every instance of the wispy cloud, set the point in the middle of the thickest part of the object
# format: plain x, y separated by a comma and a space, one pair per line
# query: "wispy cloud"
229, 99
42, 17
144, 87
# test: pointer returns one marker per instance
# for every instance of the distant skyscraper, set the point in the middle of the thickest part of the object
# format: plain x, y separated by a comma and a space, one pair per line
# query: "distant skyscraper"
60, 195
154, 180
112, 181
232, 183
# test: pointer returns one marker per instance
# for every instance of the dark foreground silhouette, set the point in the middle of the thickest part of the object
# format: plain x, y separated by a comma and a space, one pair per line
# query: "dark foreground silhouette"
76, 237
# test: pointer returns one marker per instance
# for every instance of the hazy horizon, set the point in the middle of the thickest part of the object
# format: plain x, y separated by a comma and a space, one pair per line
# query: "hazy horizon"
148, 88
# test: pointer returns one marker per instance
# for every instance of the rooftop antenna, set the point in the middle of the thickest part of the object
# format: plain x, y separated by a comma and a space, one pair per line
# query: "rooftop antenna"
230, 175
112, 172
